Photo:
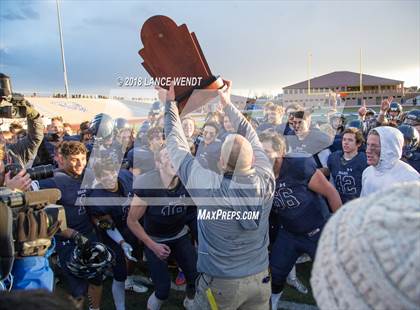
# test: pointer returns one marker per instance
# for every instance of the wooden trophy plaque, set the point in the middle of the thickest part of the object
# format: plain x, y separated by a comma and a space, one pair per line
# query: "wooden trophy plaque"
172, 51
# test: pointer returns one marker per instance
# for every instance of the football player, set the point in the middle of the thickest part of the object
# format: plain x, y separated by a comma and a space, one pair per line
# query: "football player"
301, 211
413, 119
411, 152
80, 229
162, 200
346, 166
208, 151
390, 113
274, 119
337, 121
141, 158
108, 205
309, 141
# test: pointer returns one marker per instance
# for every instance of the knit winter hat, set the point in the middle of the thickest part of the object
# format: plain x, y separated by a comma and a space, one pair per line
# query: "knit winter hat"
368, 256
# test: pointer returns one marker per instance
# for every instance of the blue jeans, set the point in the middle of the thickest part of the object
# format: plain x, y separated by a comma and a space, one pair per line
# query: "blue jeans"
185, 255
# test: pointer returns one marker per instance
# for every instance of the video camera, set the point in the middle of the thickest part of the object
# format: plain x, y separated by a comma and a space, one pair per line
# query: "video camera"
44, 199
36, 173
39, 203
11, 105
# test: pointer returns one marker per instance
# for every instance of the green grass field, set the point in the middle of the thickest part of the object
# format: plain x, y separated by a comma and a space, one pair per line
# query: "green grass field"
136, 301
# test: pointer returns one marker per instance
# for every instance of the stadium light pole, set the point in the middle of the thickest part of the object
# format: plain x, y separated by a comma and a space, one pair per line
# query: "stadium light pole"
361, 73
63, 59
309, 72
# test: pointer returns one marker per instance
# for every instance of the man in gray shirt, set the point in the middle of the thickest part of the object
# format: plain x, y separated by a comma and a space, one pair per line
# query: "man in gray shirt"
233, 211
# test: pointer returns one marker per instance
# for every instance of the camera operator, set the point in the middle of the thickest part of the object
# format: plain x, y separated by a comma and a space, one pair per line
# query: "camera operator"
14, 177
80, 232
25, 149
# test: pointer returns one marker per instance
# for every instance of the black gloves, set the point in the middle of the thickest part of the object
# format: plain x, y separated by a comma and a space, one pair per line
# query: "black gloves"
31, 113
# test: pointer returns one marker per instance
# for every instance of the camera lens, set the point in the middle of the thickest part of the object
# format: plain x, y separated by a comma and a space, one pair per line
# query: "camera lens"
41, 172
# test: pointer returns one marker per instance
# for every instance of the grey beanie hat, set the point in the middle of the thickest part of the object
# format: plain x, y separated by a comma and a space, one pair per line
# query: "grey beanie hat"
368, 256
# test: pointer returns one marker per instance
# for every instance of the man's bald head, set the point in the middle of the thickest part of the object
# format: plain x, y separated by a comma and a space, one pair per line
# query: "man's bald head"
236, 154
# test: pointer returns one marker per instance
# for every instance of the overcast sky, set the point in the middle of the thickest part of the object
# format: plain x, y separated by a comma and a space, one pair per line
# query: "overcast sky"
259, 45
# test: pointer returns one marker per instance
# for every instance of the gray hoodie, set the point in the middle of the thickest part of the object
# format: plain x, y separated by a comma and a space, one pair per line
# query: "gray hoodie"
227, 247
390, 170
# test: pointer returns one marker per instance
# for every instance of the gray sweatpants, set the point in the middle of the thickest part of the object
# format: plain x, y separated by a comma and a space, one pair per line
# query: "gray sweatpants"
252, 292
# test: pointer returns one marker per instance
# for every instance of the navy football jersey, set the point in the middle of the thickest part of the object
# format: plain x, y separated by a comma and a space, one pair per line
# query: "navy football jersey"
299, 210
166, 214
347, 174
117, 204
141, 158
71, 138
337, 144
414, 160
128, 150
208, 155
72, 195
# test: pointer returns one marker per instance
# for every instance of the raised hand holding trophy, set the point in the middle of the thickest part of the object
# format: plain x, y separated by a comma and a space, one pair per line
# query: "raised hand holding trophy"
172, 52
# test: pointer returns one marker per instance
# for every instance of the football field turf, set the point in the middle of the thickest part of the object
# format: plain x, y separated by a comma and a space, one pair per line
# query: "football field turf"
137, 301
